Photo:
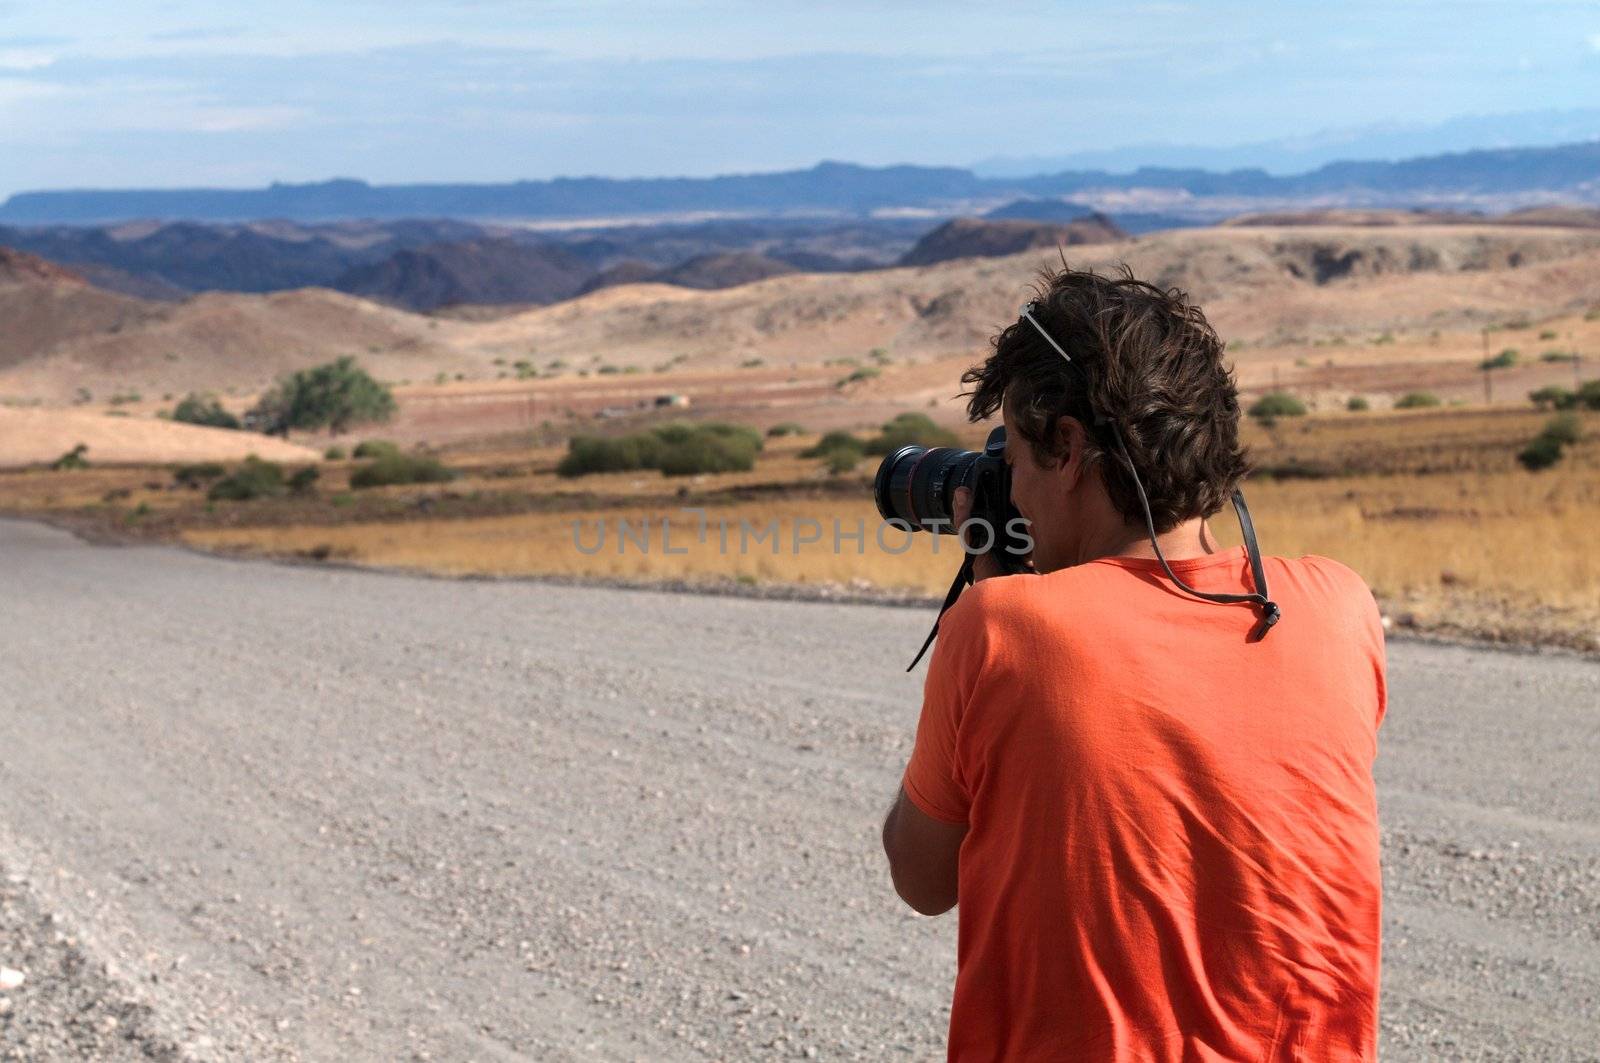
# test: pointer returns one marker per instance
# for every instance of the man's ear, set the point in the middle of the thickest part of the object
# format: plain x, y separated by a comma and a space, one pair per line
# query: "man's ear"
1072, 441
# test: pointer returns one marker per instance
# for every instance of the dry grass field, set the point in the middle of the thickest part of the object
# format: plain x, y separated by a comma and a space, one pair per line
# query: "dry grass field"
1430, 507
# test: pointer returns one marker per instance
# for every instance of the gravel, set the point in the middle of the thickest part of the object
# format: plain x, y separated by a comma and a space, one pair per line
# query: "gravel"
252, 811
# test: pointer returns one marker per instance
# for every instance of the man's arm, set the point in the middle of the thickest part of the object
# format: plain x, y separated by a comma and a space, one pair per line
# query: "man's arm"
923, 856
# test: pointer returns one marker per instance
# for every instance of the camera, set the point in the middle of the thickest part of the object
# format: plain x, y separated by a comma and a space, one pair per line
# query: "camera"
916, 488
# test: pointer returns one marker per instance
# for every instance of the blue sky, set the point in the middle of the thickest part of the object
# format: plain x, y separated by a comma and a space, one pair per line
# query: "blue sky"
96, 94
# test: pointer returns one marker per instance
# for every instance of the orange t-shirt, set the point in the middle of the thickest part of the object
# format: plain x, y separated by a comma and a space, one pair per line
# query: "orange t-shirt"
1172, 850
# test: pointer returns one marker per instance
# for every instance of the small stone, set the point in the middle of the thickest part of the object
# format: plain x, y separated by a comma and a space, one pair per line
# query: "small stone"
11, 978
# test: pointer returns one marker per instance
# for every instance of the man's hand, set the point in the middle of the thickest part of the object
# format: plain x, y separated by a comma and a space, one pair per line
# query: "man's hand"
984, 566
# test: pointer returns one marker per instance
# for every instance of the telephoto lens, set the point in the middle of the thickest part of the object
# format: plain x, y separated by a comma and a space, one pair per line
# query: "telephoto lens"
917, 485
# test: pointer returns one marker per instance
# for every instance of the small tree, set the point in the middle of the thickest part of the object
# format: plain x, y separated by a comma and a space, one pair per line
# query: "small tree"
1552, 397
205, 410
335, 396
1357, 404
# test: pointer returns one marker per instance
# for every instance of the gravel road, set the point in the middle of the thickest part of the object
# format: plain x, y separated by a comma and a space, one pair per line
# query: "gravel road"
251, 811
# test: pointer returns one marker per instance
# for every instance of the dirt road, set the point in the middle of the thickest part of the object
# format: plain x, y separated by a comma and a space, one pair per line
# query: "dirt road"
285, 812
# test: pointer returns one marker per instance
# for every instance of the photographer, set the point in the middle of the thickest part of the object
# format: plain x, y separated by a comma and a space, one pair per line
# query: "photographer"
1151, 796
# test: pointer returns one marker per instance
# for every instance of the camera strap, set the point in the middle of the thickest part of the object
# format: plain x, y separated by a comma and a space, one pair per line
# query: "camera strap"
961, 582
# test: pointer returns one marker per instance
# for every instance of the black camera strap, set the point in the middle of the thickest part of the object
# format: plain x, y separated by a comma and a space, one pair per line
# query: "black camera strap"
1270, 613
962, 581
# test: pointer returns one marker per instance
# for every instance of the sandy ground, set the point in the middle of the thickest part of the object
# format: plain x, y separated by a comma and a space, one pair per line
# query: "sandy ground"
301, 813
39, 436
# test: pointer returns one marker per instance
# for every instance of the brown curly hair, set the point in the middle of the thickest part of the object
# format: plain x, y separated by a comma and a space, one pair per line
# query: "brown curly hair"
1154, 369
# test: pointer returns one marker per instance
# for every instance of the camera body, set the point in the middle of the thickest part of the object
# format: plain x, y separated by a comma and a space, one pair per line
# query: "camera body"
915, 487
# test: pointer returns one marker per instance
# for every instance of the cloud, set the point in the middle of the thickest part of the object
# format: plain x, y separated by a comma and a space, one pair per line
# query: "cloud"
24, 59
1594, 42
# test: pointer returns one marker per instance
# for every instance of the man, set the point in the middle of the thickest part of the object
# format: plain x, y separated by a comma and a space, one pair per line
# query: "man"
1156, 811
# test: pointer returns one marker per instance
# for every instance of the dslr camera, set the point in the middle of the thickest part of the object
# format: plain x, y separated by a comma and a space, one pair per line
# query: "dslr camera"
915, 489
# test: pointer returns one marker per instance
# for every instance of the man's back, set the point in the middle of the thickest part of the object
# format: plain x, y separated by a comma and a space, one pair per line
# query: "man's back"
1172, 849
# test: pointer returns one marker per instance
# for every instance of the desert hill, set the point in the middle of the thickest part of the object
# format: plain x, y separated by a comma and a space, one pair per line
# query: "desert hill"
474, 271
1259, 284
991, 238
42, 305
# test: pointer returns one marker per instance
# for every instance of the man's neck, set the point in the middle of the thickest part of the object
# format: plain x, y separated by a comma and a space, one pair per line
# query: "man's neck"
1190, 539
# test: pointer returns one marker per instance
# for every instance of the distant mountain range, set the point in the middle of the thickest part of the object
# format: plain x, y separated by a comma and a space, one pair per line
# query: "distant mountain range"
1494, 179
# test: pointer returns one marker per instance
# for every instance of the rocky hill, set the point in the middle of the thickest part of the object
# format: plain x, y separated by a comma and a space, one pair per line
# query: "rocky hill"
475, 271
986, 238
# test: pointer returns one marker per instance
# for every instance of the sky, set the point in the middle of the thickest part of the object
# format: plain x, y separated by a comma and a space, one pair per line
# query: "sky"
228, 93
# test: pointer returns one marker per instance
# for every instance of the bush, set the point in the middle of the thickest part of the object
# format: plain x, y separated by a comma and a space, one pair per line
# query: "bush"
835, 441
908, 429
72, 459
304, 481
1542, 453
676, 449
842, 460
204, 409
253, 479
866, 372
1504, 360
1564, 429
390, 469
1559, 356
198, 474
1276, 404
375, 448
706, 452
1553, 397
1589, 395
1357, 404
334, 453
1416, 400
787, 428
333, 396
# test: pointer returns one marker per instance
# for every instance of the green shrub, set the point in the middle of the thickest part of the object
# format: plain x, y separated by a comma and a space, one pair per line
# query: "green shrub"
376, 448
252, 479
908, 429
304, 481
866, 372
390, 469
676, 449
1357, 404
706, 452
1553, 397
72, 459
1563, 428
1542, 453
1559, 356
334, 453
1416, 400
787, 428
204, 409
1589, 395
334, 396
198, 473
841, 461
1504, 360
834, 441
1276, 404
1547, 334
